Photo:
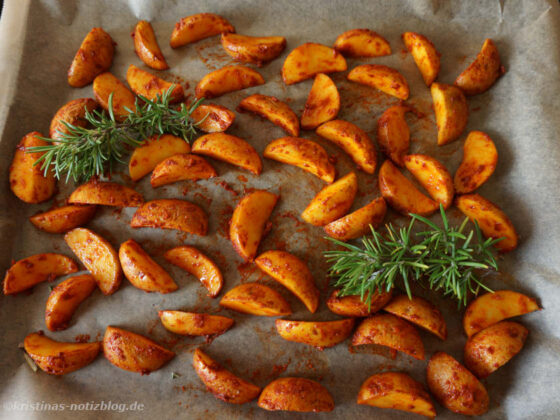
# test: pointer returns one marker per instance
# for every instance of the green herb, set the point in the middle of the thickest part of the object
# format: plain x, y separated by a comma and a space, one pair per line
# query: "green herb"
174, 375
443, 258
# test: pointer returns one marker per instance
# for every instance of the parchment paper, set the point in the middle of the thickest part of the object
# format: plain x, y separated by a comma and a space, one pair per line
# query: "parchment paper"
520, 113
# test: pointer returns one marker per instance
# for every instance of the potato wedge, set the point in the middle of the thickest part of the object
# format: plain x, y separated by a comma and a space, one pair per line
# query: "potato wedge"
190, 323
253, 49
483, 72
452, 112
323, 103
354, 306
249, 221
98, 256
72, 112
196, 27
455, 387
480, 158
171, 214
424, 54
316, 334
398, 391
65, 298
274, 110
134, 352
57, 358
62, 219
433, 176
493, 222
383, 78
94, 57
35, 269
124, 100
491, 308
154, 150
199, 265
393, 134
332, 202
390, 331
353, 140
256, 299
221, 382
28, 182
105, 194
227, 79
149, 86
362, 43
357, 223
310, 59
420, 312
142, 271
181, 167
304, 154
212, 118
296, 394
292, 273
401, 194
146, 46
230, 149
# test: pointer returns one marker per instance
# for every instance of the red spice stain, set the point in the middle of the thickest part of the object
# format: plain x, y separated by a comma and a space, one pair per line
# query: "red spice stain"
242, 178
82, 338
227, 187
246, 270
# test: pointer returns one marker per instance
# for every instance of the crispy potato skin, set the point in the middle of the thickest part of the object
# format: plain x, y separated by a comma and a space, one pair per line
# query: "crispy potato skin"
65, 298
194, 324
455, 387
94, 56
310, 59
222, 383
146, 46
256, 299
317, 334
362, 43
62, 219
452, 112
181, 167
419, 311
134, 352
354, 306
398, 391
274, 110
491, 308
332, 202
323, 103
123, 98
383, 78
357, 223
196, 27
72, 112
480, 158
393, 134
424, 54
171, 214
292, 273
252, 49
212, 118
105, 194
296, 394
57, 358
35, 269
146, 84
227, 79
433, 176
483, 72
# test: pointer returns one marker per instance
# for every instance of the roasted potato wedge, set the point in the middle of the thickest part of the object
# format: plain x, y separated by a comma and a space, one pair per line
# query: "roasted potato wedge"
398, 391
362, 43
253, 49
480, 158
249, 221
181, 167
455, 387
221, 382
316, 334
354, 305
190, 323
357, 223
332, 202
256, 299
57, 358
94, 57
296, 394
420, 312
142, 271
149, 86
383, 78
323, 103
146, 46
393, 134
124, 100
292, 273
196, 27
390, 331
171, 214
424, 54
433, 176
212, 118
452, 112
134, 352
483, 72
310, 59
72, 112
274, 110
227, 79
230, 149
35, 269
105, 194
65, 298
62, 219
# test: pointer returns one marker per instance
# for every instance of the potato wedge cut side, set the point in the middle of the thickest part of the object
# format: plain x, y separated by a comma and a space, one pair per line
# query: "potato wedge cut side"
483, 72
212, 118
94, 56
357, 223
62, 219
194, 324
72, 112
420, 312
452, 112
433, 176
124, 100
196, 27
105, 194
146, 84
317, 334
274, 110
354, 306
480, 158
362, 43
227, 79
181, 167
393, 134
252, 49
256, 299
146, 46
171, 214
323, 103
383, 78
296, 394
309, 59
424, 54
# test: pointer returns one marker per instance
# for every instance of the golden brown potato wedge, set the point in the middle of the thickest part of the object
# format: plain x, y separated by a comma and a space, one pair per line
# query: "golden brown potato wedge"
393, 134
256, 299
28, 181
304, 154
323, 103
420, 312
354, 306
57, 358
253, 49
35, 269
146, 46
310, 59
383, 78
212, 118
491, 308
296, 394
357, 223
194, 324
105, 194
98, 256
424, 54
452, 112
72, 112
332, 202
482, 72
149, 86
62, 219
171, 214
292, 273
433, 176
455, 387
362, 43
316, 334
142, 271
221, 382
480, 158
181, 167
249, 221
390, 331
493, 222
199, 265
123, 101
230, 149
398, 391
196, 27
134, 352
65, 298
94, 57
274, 110
227, 79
